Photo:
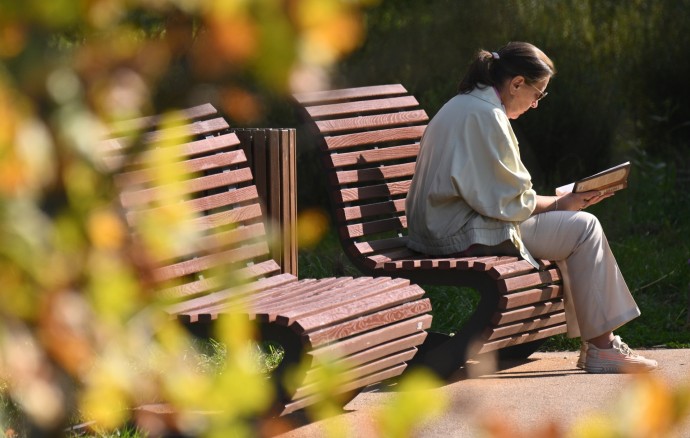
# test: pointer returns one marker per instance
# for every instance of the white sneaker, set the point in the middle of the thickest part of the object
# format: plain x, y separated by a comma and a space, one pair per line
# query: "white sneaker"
583, 356
617, 359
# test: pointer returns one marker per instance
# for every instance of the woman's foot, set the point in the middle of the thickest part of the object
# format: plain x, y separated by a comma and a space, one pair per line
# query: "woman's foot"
617, 359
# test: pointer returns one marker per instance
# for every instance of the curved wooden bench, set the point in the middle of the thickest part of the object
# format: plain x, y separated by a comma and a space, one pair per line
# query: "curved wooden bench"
369, 326
369, 138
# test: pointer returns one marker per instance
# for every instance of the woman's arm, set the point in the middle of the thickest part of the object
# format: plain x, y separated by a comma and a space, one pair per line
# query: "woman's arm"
570, 201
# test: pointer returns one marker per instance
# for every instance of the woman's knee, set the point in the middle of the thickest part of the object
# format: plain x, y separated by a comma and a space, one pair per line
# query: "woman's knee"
588, 224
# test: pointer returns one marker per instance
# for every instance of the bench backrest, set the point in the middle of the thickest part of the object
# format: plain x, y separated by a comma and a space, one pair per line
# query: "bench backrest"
370, 142
204, 179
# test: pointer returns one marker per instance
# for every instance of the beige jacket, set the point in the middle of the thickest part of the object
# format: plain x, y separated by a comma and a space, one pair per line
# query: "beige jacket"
470, 186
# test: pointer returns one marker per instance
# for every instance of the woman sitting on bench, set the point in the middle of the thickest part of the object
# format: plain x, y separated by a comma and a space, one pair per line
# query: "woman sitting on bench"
471, 195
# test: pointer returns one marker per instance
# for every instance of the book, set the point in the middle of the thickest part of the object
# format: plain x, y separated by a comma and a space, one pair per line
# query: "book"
607, 181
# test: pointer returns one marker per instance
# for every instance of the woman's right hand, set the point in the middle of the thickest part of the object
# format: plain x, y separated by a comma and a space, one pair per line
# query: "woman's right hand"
580, 201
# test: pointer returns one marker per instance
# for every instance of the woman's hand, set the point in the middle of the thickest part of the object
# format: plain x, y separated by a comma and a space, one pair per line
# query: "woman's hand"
580, 201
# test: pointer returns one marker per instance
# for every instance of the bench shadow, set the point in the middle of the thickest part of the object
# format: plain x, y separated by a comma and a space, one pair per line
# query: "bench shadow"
484, 368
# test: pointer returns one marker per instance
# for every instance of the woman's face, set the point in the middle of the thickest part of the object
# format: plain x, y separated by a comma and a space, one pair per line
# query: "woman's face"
518, 96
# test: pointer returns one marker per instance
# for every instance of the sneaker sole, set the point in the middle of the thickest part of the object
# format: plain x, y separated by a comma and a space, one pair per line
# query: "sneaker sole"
618, 370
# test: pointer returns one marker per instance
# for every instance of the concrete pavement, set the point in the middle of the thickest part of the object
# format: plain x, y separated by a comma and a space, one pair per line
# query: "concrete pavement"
526, 398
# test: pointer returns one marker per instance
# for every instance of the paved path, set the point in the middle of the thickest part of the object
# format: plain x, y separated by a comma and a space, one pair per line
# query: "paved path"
526, 398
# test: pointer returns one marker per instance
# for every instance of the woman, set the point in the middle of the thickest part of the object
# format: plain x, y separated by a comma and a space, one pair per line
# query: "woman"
471, 195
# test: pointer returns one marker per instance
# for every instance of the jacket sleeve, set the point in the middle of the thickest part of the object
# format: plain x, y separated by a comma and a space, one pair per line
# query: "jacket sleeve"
491, 177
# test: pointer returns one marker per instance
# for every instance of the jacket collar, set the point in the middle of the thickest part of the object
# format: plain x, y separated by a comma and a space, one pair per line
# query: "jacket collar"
488, 94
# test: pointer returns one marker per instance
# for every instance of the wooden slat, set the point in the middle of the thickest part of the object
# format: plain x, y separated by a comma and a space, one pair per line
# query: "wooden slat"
225, 142
177, 133
486, 265
365, 323
190, 129
131, 199
205, 304
239, 234
310, 294
359, 194
233, 217
376, 121
202, 263
362, 107
278, 296
394, 207
376, 227
206, 163
338, 142
336, 301
359, 383
241, 196
345, 310
373, 246
521, 339
310, 98
212, 284
527, 312
374, 156
525, 326
422, 322
211, 144
518, 299
391, 255
196, 112
381, 173
529, 280
288, 195
400, 355
359, 372
368, 340
511, 270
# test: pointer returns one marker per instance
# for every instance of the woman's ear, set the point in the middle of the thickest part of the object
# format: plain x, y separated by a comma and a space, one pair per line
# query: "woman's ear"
515, 83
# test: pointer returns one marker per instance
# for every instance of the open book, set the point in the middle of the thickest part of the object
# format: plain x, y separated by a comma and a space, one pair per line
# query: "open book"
607, 181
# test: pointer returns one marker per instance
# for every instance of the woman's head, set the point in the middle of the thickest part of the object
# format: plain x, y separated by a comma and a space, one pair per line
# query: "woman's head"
518, 70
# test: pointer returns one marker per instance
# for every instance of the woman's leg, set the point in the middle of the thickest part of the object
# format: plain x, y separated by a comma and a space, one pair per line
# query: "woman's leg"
595, 291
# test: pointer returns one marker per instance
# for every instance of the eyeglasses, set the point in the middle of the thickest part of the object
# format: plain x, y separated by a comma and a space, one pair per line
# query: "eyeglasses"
542, 94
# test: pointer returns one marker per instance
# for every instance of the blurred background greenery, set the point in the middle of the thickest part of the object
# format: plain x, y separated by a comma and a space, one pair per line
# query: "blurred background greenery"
73, 337
620, 94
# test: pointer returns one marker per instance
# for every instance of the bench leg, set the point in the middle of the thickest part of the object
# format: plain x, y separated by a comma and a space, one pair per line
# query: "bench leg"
294, 352
445, 355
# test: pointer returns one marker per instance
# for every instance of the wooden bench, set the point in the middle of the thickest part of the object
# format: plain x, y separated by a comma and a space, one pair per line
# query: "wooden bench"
369, 138
370, 326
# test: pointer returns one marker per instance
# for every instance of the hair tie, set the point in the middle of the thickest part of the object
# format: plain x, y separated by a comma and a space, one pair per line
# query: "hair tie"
494, 55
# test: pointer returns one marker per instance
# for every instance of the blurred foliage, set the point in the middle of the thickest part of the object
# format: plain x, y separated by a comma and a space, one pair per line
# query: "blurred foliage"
619, 94
82, 334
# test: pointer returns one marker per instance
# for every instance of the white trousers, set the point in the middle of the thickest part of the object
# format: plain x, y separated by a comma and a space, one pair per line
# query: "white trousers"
597, 300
